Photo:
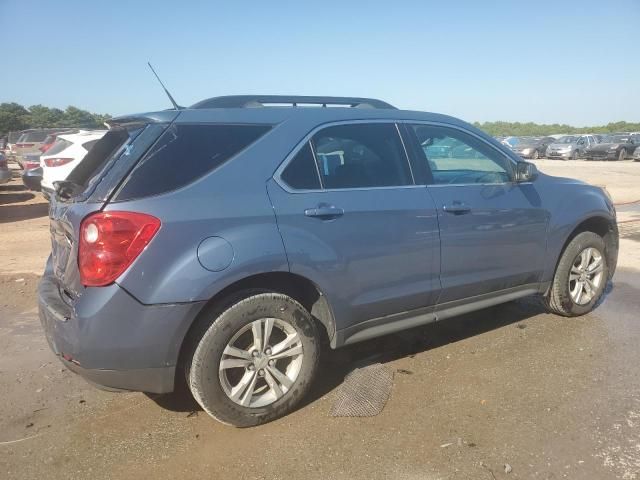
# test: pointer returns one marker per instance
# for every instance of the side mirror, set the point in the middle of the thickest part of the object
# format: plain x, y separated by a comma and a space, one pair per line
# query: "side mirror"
526, 172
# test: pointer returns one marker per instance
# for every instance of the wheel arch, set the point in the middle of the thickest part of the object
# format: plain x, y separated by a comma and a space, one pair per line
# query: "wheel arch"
300, 288
601, 225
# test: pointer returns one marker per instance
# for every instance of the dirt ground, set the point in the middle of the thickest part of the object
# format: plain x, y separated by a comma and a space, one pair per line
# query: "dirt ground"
507, 389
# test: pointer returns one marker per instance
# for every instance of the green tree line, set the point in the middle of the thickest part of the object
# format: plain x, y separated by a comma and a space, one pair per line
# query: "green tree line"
518, 129
14, 116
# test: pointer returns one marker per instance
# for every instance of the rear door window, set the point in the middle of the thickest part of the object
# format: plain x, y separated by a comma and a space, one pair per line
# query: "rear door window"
361, 156
184, 153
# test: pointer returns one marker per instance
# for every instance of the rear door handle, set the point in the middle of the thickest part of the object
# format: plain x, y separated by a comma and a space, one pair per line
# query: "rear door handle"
457, 208
324, 212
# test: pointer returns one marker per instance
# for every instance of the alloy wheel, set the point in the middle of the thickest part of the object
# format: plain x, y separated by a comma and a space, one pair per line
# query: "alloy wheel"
261, 362
586, 276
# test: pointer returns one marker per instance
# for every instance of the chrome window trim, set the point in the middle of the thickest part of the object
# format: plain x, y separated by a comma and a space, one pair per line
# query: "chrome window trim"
406, 154
478, 137
307, 139
315, 163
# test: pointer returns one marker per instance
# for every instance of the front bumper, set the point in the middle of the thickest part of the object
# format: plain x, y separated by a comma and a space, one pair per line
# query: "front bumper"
564, 155
112, 340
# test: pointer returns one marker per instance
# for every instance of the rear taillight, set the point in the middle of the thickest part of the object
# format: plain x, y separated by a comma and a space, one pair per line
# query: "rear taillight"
28, 165
57, 162
110, 242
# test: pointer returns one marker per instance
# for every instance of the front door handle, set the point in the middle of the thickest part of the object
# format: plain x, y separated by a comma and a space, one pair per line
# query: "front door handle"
324, 212
457, 208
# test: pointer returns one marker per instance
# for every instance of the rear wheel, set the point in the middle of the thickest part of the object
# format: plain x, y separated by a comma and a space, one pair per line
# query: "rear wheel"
581, 276
255, 361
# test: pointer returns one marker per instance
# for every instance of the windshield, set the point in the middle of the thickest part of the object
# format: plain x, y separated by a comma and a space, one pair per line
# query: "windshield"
567, 139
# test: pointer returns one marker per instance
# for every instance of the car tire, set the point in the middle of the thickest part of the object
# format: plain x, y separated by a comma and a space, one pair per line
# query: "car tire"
562, 297
211, 384
575, 155
535, 155
622, 154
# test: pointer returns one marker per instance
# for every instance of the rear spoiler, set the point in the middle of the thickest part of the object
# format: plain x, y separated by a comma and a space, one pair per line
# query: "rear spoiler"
128, 121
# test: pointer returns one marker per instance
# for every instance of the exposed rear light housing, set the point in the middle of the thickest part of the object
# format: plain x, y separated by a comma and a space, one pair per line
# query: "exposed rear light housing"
110, 242
57, 162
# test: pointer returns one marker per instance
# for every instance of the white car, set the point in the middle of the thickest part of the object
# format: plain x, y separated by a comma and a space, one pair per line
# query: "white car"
65, 154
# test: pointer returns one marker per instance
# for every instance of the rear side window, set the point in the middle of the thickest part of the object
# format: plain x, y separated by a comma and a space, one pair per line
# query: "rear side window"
301, 173
361, 156
184, 153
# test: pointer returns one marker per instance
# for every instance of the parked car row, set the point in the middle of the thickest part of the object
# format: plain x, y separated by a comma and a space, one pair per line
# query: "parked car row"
47, 155
617, 146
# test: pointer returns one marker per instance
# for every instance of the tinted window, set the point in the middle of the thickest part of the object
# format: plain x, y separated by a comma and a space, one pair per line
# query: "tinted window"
35, 137
301, 172
454, 157
184, 153
360, 156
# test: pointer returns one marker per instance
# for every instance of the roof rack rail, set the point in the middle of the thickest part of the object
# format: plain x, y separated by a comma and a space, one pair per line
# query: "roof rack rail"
256, 101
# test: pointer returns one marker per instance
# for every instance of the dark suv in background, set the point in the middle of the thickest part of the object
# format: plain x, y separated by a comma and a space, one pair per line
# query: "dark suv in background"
221, 243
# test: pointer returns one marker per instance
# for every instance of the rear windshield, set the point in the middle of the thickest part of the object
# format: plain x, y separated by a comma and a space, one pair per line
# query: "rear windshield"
34, 137
14, 136
98, 156
184, 153
59, 146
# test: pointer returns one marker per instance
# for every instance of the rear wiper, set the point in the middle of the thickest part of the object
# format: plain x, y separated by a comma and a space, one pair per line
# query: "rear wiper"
65, 189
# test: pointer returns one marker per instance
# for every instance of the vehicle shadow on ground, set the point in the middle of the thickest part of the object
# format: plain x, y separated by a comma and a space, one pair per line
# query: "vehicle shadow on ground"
8, 198
336, 364
15, 213
12, 188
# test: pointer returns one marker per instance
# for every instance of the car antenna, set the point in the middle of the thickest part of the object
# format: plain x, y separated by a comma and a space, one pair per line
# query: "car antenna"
175, 105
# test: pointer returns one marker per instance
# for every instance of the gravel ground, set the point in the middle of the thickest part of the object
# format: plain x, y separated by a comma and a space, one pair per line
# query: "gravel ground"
507, 392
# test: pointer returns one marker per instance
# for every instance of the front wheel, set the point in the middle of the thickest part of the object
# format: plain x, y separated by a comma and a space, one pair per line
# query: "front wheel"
535, 155
256, 361
622, 154
580, 278
575, 155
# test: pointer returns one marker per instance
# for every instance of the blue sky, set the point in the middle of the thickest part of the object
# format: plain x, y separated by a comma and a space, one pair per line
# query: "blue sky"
564, 61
